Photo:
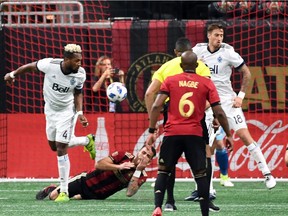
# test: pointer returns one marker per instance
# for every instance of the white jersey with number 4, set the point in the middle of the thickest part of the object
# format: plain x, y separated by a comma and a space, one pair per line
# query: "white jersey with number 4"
58, 89
220, 64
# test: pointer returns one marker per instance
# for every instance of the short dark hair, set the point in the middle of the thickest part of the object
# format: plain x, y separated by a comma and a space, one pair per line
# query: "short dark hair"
153, 150
183, 44
69, 54
214, 26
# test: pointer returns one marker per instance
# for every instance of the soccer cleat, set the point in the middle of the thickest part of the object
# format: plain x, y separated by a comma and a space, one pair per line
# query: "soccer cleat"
194, 196
62, 197
170, 207
90, 147
213, 207
157, 212
42, 194
225, 181
270, 181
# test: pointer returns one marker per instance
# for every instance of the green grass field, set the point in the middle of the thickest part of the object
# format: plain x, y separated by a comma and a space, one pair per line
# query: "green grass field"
245, 199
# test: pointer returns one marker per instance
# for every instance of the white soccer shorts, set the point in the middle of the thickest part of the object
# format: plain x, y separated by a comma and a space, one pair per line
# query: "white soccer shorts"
60, 125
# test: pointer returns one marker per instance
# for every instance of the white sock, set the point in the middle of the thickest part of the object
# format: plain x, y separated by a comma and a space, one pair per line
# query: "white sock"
212, 173
258, 156
64, 172
76, 141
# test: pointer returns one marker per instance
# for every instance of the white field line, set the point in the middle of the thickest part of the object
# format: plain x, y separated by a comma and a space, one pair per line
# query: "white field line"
148, 180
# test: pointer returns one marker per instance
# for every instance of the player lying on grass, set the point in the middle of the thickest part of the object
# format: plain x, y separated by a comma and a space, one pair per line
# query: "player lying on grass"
111, 174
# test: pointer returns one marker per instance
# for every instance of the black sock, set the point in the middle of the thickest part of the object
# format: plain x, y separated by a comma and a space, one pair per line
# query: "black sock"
203, 192
160, 187
209, 170
170, 188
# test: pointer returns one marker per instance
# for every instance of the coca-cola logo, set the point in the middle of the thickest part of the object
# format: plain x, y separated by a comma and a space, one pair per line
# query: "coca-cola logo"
271, 150
268, 138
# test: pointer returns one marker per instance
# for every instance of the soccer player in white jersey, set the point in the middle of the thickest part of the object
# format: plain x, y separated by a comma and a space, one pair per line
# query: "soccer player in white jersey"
62, 89
221, 58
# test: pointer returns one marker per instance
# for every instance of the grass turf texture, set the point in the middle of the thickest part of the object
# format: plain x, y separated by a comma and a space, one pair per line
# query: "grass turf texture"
247, 198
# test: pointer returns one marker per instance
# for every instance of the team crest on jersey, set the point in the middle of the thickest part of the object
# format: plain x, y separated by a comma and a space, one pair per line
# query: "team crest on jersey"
139, 77
219, 59
72, 81
129, 155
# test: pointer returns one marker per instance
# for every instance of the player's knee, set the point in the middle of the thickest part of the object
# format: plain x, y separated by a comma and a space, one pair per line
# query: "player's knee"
61, 148
52, 146
164, 172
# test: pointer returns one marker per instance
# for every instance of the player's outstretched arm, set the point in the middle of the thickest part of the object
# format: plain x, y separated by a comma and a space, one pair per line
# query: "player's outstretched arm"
246, 76
10, 77
107, 164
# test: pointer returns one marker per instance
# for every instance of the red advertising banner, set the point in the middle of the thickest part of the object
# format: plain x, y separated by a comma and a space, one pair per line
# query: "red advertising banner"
29, 155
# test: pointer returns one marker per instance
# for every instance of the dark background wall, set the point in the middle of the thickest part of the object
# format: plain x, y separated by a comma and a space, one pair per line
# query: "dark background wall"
160, 9
2, 68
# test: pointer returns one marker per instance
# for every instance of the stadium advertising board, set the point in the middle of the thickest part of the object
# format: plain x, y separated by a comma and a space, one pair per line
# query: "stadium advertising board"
30, 156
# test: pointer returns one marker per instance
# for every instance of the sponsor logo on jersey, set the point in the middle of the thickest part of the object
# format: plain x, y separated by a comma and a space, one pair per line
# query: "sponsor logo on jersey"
214, 69
61, 89
139, 77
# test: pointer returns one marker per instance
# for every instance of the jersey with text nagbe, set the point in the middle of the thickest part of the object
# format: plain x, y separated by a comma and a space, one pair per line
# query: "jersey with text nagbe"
104, 183
188, 93
58, 89
220, 64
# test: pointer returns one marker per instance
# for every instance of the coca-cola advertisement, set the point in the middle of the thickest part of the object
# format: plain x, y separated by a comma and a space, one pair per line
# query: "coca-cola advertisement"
29, 154
269, 133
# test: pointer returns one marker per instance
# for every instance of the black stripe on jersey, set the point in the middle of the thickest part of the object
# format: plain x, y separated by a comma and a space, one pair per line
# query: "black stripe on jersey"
176, 29
237, 68
215, 104
163, 92
138, 40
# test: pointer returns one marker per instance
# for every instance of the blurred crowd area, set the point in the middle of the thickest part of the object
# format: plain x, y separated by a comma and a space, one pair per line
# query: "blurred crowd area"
179, 10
